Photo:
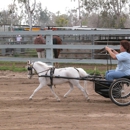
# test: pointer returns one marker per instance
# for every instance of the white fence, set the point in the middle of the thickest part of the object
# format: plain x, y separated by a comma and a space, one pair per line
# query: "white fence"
49, 47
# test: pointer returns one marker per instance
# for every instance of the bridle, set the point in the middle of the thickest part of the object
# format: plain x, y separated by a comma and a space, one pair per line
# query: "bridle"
52, 69
30, 68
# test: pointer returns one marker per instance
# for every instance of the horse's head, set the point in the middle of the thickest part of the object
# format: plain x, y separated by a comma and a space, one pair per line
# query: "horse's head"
37, 67
31, 70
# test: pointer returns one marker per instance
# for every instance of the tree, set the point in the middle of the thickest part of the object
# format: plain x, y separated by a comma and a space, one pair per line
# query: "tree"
78, 9
61, 20
73, 20
13, 15
34, 15
113, 13
44, 17
41, 17
10, 17
29, 9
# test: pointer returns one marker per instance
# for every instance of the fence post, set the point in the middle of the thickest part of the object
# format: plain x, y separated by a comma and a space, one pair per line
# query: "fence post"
49, 51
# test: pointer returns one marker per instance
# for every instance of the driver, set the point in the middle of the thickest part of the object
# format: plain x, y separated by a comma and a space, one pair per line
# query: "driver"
123, 66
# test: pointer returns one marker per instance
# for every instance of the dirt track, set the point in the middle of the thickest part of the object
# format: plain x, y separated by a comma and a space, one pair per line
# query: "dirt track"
45, 113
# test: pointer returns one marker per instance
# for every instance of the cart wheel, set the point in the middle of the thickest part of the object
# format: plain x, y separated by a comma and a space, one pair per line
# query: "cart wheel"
119, 92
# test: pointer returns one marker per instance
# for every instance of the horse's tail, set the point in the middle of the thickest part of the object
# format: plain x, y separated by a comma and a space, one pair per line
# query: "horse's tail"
83, 73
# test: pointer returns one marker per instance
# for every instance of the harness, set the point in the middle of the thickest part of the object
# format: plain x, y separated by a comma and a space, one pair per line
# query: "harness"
51, 73
51, 76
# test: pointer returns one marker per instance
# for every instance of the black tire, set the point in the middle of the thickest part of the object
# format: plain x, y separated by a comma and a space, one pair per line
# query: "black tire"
119, 92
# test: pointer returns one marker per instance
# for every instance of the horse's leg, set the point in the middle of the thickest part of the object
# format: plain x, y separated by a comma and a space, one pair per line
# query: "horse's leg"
85, 87
71, 88
56, 52
39, 87
56, 55
83, 90
52, 90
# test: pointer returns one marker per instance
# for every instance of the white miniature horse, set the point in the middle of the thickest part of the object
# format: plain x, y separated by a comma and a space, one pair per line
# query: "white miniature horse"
43, 71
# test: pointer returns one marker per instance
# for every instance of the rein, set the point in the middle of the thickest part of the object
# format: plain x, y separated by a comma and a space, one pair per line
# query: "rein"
30, 68
108, 57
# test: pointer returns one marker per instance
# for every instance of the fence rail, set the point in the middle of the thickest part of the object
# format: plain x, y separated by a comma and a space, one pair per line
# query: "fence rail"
49, 47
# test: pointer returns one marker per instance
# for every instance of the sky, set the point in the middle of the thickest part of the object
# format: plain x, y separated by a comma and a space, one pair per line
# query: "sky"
51, 5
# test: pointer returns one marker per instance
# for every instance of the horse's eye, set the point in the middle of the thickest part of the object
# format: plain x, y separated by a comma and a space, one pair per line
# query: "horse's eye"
29, 68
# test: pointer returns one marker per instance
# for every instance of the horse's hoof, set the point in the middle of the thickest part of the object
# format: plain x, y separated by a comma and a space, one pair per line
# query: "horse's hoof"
30, 98
58, 100
65, 96
88, 99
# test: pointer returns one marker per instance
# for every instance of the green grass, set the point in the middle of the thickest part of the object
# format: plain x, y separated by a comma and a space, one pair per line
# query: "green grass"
14, 69
20, 67
12, 66
97, 72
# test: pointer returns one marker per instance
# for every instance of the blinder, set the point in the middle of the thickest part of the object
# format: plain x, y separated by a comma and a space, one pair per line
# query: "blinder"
30, 70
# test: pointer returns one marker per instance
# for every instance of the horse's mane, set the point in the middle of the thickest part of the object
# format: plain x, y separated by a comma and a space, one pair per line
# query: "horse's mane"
43, 64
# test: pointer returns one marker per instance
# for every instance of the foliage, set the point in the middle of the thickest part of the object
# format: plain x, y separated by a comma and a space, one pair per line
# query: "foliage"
40, 17
29, 8
93, 13
111, 13
9, 16
95, 71
61, 20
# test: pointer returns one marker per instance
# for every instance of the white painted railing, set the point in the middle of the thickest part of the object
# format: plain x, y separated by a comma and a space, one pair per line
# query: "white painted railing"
49, 47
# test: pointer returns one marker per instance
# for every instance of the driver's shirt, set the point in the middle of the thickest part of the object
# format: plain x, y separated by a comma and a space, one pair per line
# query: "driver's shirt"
123, 62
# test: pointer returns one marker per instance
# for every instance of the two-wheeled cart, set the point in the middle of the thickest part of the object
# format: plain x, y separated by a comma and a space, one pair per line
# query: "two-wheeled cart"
118, 90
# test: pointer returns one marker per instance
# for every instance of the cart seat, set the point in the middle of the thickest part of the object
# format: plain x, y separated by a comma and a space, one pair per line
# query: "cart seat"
128, 77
